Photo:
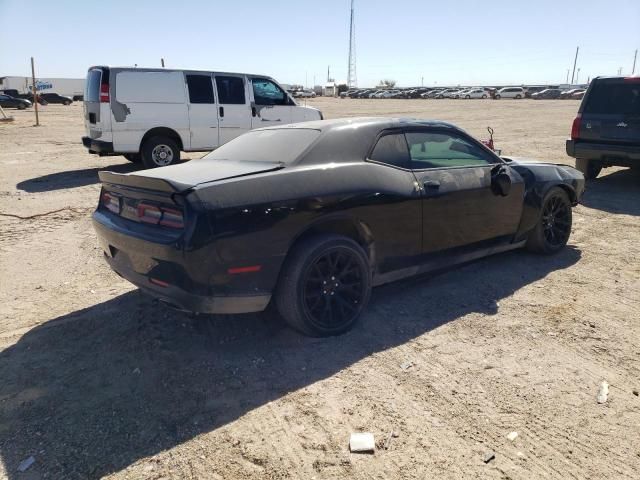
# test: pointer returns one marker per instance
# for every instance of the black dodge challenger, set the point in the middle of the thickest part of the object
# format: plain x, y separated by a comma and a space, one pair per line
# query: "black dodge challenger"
313, 215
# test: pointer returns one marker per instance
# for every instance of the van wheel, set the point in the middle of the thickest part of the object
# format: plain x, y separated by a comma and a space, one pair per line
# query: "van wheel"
324, 286
133, 157
160, 152
589, 168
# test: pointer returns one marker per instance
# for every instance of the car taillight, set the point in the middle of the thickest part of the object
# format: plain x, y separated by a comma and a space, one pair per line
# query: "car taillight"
111, 202
156, 215
632, 79
104, 93
575, 128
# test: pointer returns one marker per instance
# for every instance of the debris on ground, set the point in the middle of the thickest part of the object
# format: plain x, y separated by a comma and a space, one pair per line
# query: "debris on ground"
635, 392
488, 456
26, 463
362, 442
512, 436
406, 365
603, 393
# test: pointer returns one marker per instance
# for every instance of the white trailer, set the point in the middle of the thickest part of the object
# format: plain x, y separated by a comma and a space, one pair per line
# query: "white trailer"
70, 87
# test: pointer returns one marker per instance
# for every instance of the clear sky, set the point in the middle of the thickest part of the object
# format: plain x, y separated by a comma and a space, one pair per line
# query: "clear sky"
456, 42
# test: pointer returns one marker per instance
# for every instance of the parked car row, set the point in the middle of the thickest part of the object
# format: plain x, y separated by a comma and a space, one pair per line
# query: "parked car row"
11, 98
464, 93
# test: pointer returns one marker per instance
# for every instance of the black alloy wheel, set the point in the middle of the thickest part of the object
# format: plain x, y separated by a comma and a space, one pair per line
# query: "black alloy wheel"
324, 286
333, 289
552, 232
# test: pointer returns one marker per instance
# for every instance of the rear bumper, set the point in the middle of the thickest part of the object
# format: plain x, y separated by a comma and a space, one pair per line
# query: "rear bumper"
97, 146
611, 154
163, 271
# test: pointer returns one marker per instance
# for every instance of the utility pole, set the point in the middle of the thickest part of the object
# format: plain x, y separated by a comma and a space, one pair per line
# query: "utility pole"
575, 61
635, 55
578, 76
352, 78
35, 96
567, 76
422, 82
162, 62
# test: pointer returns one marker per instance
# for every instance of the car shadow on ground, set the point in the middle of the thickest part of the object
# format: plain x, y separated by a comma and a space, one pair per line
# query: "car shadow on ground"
618, 192
89, 393
72, 179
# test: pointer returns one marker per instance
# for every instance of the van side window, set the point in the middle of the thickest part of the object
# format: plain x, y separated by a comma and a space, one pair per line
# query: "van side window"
265, 92
200, 89
230, 90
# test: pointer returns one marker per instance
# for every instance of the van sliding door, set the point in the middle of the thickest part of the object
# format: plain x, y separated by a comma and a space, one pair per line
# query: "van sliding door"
234, 116
203, 112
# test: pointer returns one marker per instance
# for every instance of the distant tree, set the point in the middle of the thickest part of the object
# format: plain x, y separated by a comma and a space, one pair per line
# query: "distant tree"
388, 83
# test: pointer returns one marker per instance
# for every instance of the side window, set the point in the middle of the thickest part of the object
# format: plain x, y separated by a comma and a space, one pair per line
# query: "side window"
265, 92
230, 90
200, 89
440, 150
392, 150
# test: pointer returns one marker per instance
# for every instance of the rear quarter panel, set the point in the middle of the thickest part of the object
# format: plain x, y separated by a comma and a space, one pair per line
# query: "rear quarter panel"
256, 220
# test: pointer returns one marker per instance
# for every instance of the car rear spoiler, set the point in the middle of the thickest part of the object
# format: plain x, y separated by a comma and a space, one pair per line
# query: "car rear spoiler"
140, 181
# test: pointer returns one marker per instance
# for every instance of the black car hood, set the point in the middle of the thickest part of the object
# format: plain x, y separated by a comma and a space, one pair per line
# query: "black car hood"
178, 178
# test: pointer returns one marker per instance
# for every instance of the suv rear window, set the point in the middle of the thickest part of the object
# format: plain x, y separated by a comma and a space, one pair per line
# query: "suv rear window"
613, 98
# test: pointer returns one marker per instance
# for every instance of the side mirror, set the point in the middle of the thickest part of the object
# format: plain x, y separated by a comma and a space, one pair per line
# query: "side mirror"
500, 182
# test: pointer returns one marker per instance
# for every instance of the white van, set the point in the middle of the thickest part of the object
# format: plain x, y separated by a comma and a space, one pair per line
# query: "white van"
510, 92
150, 115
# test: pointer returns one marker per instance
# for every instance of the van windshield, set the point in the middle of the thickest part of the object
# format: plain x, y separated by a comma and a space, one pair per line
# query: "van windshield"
92, 87
281, 145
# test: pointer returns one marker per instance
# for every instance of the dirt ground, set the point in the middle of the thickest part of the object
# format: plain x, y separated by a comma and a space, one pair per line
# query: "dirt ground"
97, 380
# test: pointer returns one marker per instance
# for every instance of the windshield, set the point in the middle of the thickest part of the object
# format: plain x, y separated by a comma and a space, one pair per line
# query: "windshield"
282, 145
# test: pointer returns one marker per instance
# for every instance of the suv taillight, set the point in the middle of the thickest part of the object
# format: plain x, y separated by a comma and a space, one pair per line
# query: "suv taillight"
575, 128
157, 215
104, 93
111, 202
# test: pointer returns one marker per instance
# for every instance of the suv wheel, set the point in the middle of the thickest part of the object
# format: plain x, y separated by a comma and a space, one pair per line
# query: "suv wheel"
160, 152
518, 97
324, 286
589, 168
498, 96
552, 231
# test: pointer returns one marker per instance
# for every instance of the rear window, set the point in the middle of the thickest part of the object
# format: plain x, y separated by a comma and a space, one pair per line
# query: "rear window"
614, 98
279, 145
92, 87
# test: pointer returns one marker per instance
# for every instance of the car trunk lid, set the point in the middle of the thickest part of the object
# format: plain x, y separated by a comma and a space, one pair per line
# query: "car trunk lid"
180, 178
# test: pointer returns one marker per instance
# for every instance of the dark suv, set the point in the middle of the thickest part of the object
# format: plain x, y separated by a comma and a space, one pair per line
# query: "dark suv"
606, 131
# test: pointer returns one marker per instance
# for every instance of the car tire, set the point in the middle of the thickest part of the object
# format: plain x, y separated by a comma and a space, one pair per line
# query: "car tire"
498, 97
589, 168
160, 152
553, 229
21, 106
467, 97
518, 97
133, 157
306, 295
67, 103
484, 96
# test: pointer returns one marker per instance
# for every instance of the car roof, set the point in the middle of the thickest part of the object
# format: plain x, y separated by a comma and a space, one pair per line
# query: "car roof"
377, 123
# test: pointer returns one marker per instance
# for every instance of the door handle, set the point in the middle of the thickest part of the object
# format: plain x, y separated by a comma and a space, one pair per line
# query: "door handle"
431, 185
253, 111
221, 111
